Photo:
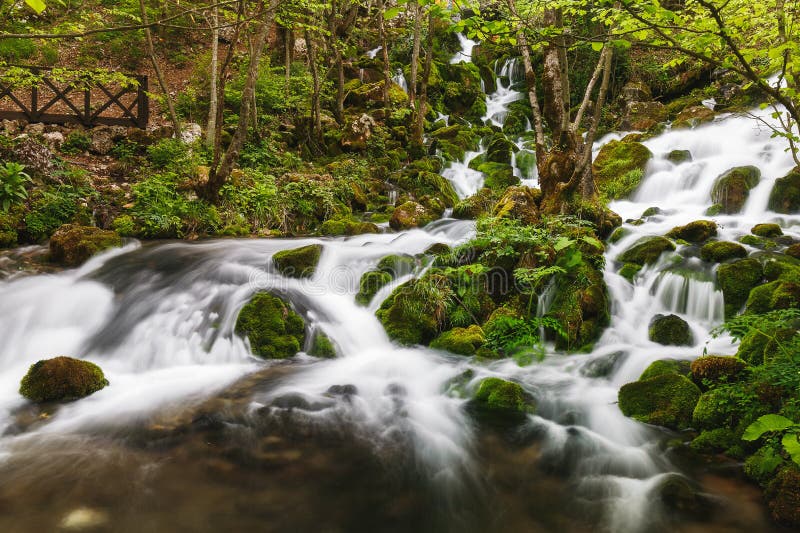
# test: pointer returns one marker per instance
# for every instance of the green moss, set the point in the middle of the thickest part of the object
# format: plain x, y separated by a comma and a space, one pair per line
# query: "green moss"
695, 232
581, 306
692, 117
298, 262
721, 251
761, 466
502, 398
498, 176
711, 370
405, 317
322, 346
397, 265
751, 349
646, 250
666, 400
736, 280
732, 188
478, 204
73, 244
783, 496
670, 330
61, 379
410, 215
521, 203
715, 441
768, 231
499, 149
618, 235
717, 408
422, 180
785, 195
462, 341
679, 367
629, 271
677, 157
371, 282
619, 167
274, 330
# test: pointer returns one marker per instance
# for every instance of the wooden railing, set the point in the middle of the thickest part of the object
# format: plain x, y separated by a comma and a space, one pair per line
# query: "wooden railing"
90, 104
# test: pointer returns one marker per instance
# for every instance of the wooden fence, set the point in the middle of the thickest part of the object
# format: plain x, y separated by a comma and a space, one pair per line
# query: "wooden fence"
90, 104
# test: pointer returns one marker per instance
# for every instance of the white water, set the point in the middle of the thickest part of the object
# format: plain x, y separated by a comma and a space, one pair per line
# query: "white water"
400, 79
465, 53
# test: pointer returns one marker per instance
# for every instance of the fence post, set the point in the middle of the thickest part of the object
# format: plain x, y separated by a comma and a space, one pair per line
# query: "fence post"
143, 104
34, 114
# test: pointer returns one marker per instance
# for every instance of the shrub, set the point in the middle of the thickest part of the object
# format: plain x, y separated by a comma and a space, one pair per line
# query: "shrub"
76, 142
13, 179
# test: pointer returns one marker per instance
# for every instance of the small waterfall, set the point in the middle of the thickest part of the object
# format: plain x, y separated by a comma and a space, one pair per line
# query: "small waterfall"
465, 180
465, 54
400, 79
508, 77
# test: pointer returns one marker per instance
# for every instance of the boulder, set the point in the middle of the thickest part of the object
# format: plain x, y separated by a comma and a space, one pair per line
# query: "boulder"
736, 280
518, 202
783, 496
642, 116
498, 176
322, 346
677, 157
371, 282
619, 167
694, 232
680, 367
275, 331
499, 149
721, 251
476, 205
498, 398
732, 188
298, 262
665, 400
768, 231
670, 330
691, 117
397, 265
785, 195
73, 244
646, 250
710, 370
61, 379
358, 132
410, 215
406, 317
462, 341
774, 295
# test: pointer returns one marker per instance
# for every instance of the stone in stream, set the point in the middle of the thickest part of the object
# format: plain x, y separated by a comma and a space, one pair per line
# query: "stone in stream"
275, 331
721, 251
785, 195
670, 330
410, 215
646, 250
299, 262
498, 400
371, 282
767, 231
714, 369
694, 232
732, 188
72, 244
61, 379
85, 519
736, 280
664, 400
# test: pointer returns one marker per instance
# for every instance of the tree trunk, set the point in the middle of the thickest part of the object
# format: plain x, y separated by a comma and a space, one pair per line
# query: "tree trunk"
211, 127
316, 108
422, 101
159, 75
416, 13
387, 68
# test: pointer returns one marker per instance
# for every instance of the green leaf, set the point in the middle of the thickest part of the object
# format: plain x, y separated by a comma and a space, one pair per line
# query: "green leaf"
597, 46
36, 5
562, 243
766, 424
391, 13
792, 446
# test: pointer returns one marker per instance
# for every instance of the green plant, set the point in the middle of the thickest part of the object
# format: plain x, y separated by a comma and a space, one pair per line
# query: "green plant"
780, 425
76, 142
51, 209
521, 338
13, 179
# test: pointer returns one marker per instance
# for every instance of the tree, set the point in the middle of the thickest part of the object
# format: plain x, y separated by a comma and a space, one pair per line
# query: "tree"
758, 41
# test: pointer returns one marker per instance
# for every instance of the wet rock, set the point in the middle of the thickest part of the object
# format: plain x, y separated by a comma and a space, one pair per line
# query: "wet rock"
603, 366
322, 346
342, 390
694, 232
670, 330
713, 369
774, 295
298, 262
680, 496
679, 367
476, 205
721, 251
665, 400
397, 265
629, 271
500, 399
61, 379
785, 195
768, 231
85, 519
793, 251
651, 212
692, 117
736, 280
370, 283
521, 203
783, 496
582, 306
646, 250
462, 341
191, 133
619, 167
72, 244
275, 331
405, 316
732, 188
358, 132
410, 215
499, 149
677, 157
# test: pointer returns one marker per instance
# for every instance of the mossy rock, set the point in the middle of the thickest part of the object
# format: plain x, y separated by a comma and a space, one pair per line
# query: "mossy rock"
618, 234
714, 210
710, 370
339, 227
768, 231
371, 282
774, 295
715, 408
397, 265
651, 212
503, 399
619, 168
732, 188
61, 379
695, 232
783, 496
736, 280
646, 250
629, 271
520, 203
322, 346
793, 251
72, 244
423, 181
785, 195
691, 117
498, 176
680, 367
462, 341
757, 242
721, 251
670, 330
677, 157
665, 400
275, 331
499, 149
478, 204
761, 466
298, 262
582, 307
753, 346
715, 441
404, 317
410, 215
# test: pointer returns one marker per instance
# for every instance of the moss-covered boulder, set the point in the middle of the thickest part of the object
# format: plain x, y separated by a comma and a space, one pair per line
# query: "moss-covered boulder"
298, 262
670, 330
369, 285
346, 226
710, 370
793, 251
785, 195
499, 149
397, 265
783, 496
405, 316
629, 271
665, 400
715, 409
717, 440
410, 215
691, 117
732, 188
462, 341
619, 168
497, 176
677, 157
275, 331
61, 379
680, 367
646, 250
423, 180
73, 244
695, 232
768, 231
774, 295
736, 280
498, 398
478, 204
721, 251
322, 346
582, 306
521, 203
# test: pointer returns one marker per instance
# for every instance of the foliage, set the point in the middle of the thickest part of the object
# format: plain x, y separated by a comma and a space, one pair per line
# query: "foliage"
521, 338
51, 208
161, 211
76, 142
781, 425
766, 324
13, 179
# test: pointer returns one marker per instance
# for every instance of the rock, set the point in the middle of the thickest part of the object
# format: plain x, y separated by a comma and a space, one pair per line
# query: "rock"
715, 409
275, 331
321, 346
793, 251
643, 116
518, 202
619, 167
405, 316
721, 251
39, 161
462, 341
680, 497
651, 212
85, 519
53, 139
358, 132
677, 157
410, 215
370, 283
72, 244
61, 379
498, 176
767, 231
774, 295
397, 265
35, 129
498, 398
499, 149
680, 367
715, 369
102, 138
736, 280
191, 132
666, 400
783, 496
299, 262
732, 188
636, 91
618, 235
785, 195
603, 366
691, 117
629, 271
670, 330
694, 232
582, 306
646, 250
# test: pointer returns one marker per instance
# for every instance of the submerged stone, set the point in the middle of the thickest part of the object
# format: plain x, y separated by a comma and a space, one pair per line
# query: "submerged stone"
721, 251
299, 262
462, 341
732, 188
275, 331
646, 250
695, 232
61, 379
619, 167
500, 398
736, 280
785, 195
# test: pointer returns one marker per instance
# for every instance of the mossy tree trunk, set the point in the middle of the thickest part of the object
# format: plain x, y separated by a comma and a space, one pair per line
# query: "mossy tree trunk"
422, 101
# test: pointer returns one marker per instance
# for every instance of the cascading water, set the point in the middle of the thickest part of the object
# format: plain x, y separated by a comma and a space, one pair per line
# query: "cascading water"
508, 78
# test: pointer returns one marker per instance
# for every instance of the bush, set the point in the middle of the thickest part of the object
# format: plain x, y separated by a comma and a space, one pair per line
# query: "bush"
53, 208
76, 142
13, 179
